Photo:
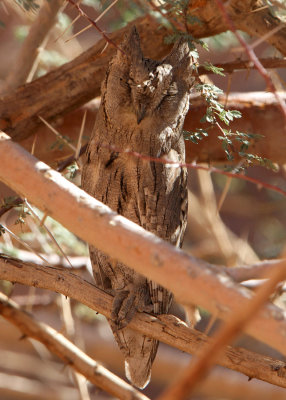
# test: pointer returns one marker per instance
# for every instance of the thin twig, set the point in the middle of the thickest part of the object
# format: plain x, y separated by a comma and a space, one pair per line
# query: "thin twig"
96, 20
199, 368
35, 215
58, 134
37, 33
78, 147
259, 270
166, 328
67, 351
195, 166
107, 38
191, 280
69, 160
68, 27
172, 21
252, 56
23, 243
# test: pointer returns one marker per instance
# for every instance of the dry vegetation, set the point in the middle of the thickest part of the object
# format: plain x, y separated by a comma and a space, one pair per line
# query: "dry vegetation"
53, 342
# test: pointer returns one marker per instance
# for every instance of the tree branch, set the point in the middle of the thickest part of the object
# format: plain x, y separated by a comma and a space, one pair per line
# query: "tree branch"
78, 81
67, 351
260, 115
28, 53
252, 56
191, 280
72, 84
198, 368
238, 65
259, 270
258, 23
248, 16
166, 328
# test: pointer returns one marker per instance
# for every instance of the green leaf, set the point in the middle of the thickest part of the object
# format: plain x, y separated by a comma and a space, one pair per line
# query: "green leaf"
195, 136
216, 70
2, 230
235, 113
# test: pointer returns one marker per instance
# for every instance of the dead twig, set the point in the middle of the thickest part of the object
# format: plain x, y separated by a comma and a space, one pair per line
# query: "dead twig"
198, 369
165, 328
191, 280
67, 351
22, 65
252, 56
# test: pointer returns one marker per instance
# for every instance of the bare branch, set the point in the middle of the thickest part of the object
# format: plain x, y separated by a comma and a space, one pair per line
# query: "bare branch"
73, 83
93, 23
237, 65
199, 367
165, 328
78, 81
257, 23
28, 53
259, 270
67, 351
260, 112
22, 388
252, 56
191, 280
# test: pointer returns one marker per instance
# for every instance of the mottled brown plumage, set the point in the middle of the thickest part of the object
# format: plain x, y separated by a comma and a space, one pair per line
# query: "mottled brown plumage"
143, 106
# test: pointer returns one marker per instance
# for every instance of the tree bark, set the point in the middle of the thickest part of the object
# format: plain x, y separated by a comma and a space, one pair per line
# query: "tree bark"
166, 328
78, 81
260, 115
67, 351
192, 281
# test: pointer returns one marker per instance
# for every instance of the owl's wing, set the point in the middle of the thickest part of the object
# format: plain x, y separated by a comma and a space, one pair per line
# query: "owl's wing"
163, 211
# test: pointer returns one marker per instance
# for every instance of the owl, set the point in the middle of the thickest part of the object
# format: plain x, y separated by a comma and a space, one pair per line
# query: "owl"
143, 106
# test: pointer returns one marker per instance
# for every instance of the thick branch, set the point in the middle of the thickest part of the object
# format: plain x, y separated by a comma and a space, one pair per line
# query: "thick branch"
238, 65
260, 115
257, 271
72, 84
78, 81
248, 15
258, 23
191, 280
67, 351
165, 328
260, 112
197, 369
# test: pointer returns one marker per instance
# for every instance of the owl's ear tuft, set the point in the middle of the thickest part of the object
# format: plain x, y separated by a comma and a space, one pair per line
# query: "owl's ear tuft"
179, 52
181, 60
130, 47
132, 37
128, 53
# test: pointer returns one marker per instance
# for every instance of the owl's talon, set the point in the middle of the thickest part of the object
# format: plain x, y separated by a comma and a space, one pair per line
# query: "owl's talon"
126, 304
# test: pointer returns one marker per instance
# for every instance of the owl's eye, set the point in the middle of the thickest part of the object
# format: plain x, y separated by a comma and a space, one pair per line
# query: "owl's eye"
124, 83
172, 90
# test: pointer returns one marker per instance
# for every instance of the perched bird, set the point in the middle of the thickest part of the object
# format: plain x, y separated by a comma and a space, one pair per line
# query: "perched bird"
143, 106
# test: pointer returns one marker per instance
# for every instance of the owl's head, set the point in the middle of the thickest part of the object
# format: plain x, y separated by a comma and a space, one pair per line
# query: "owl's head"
152, 87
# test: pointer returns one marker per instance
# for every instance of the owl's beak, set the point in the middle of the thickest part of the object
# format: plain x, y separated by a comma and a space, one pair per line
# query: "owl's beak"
140, 113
